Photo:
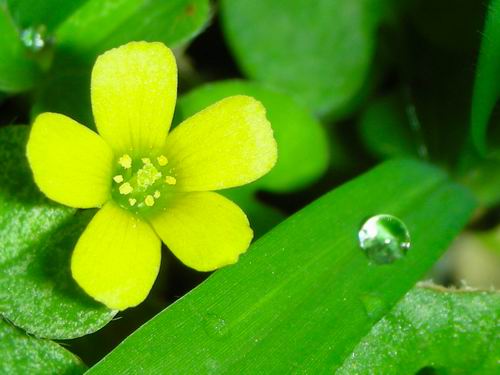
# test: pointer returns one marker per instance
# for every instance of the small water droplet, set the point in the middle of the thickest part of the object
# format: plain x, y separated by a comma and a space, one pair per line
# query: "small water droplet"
384, 239
215, 326
34, 38
375, 307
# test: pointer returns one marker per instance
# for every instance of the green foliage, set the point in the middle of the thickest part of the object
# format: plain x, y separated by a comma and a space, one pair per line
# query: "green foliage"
37, 291
101, 25
23, 354
386, 129
304, 47
451, 331
49, 13
487, 86
305, 298
18, 71
304, 295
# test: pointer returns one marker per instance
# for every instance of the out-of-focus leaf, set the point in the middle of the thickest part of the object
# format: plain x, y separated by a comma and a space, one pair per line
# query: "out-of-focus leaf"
320, 51
487, 85
483, 178
386, 130
37, 292
303, 152
18, 71
101, 25
305, 294
455, 332
49, 13
23, 354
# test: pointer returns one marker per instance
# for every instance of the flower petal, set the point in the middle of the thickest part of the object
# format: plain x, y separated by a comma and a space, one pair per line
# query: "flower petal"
227, 144
204, 230
134, 89
71, 164
117, 258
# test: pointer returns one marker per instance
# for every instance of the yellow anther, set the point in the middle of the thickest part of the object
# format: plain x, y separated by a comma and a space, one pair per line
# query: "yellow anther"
171, 180
132, 201
118, 178
149, 200
125, 161
162, 160
126, 188
146, 160
157, 194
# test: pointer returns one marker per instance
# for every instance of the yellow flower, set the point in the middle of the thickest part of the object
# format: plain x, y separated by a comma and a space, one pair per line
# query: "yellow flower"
150, 186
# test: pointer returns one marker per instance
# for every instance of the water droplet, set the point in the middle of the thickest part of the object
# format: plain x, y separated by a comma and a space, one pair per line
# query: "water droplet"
384, 239
375, 307
34, 38
215, 326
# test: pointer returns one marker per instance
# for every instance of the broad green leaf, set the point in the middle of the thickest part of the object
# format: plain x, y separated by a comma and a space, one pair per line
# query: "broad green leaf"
49, 13
101, 25
454, 332
302, 142
320, 52
18, 71
304, 295
386, 129
37, 292
23, 354
487, 85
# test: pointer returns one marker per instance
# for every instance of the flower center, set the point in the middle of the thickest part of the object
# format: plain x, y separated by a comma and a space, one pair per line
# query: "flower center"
139, 185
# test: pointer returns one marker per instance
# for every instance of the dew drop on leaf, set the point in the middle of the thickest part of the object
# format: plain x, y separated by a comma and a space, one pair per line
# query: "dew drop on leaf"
384, 239
34, 38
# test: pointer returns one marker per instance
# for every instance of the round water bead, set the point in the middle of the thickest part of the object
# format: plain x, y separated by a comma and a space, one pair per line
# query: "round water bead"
384, 239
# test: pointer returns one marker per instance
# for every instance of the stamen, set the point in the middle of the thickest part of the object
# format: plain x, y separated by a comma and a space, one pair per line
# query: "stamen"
149, 200
125, 161
132, 201
162, 160
147, 175
118, 178
126, 188
157, 194
170, 180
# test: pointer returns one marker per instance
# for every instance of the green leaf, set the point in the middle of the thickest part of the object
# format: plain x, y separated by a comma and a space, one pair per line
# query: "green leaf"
297, 301
386, 129
37, 292
23, 354
483, 179
302, 142
17, 71
49, 13
487, 85
453, 331
320, 52
101, 25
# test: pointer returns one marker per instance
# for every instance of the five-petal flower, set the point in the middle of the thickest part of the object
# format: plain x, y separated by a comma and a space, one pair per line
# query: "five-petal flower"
150, 186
